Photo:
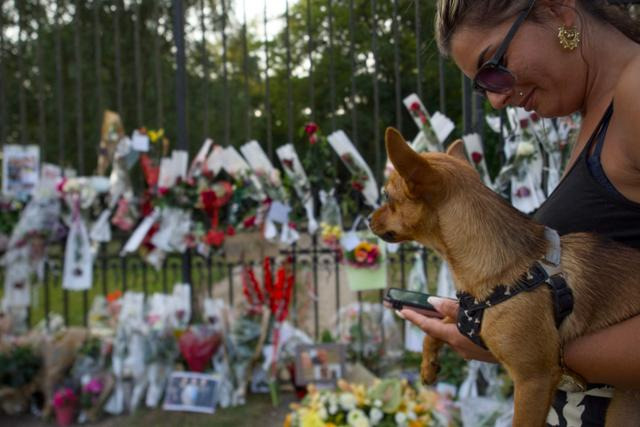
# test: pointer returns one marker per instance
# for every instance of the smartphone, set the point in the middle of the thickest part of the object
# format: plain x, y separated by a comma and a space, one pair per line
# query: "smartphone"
417, 301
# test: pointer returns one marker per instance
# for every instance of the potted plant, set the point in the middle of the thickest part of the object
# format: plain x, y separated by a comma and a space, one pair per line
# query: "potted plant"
65, 404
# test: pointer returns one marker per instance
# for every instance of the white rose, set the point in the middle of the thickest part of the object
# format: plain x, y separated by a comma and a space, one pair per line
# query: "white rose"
375, 416
333, 409
400, 418
524, 149
357, 418
348, 401
377, 403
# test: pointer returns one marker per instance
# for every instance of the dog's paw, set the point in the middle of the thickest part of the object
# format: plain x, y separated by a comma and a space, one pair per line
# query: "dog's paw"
429, 371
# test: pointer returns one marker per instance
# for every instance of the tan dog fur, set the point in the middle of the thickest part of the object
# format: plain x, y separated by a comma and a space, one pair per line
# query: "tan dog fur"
440, 201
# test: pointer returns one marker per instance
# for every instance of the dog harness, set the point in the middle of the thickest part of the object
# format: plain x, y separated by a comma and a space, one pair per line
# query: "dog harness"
546, 271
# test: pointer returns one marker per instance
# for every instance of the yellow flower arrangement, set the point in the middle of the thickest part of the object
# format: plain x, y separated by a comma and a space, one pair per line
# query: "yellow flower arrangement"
390, 402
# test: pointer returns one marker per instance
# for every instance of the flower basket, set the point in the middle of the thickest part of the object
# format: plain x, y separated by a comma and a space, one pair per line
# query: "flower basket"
365, 265
65, 415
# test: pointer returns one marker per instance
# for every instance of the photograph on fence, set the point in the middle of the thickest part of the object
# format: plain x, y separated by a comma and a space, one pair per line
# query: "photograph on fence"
320, 364
192, 392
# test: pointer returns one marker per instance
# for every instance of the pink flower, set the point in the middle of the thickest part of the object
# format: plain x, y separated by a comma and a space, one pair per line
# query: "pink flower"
476, 156
94, 386
64, 397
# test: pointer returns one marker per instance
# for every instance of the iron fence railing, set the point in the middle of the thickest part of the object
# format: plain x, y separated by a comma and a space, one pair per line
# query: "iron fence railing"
314, 265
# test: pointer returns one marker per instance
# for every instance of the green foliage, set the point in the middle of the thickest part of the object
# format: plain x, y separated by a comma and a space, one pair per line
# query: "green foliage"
29, 73
18, 366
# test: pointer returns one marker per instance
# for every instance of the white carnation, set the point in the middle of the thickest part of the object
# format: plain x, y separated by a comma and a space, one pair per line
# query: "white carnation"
348, 401
375, 416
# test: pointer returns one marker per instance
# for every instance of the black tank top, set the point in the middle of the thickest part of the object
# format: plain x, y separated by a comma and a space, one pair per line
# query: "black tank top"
585, 200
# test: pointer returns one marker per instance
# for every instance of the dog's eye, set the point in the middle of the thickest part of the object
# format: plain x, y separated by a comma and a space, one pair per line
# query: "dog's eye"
384, 196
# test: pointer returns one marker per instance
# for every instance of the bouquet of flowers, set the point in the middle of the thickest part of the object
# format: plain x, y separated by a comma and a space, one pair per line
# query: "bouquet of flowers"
91, 392
391, 402
365, 255
65, 397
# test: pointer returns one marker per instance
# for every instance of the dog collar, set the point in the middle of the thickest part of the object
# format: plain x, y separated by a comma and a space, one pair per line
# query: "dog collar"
547, 271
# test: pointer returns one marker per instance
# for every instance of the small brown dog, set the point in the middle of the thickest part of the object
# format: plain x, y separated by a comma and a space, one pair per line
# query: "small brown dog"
440, 201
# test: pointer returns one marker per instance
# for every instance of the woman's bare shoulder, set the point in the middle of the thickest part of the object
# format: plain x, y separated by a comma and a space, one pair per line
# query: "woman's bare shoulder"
627, 108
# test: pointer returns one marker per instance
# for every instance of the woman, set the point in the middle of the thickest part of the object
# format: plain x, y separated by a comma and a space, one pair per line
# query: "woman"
558, 57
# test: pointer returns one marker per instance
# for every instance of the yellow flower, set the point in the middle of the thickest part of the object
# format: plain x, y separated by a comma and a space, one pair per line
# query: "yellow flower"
311, 419
155, 135
287, 421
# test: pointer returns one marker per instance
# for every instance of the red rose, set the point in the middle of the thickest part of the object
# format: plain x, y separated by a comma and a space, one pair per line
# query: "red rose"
311, 128
524, 123
163, 190
249, 222
415, 106
476, 157
534, 117
230, 230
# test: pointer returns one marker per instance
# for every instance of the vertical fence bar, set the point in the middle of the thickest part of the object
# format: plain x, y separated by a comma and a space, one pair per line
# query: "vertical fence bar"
104, 263
441, 85
85, 308
310, 49
478, 104
225, 78
47, 302
314, 267
97, 49
181, 74
137, 59
42, 123
267, 92
157, 70
230, 276
3, 99
352, 57
336, 262
418, 33
294, 292
396, 64
22, 75
467, 113
123, 273
117, 54
289, 88
245, 72
59, 83
205, 73
78, 80
376, 90
332, 67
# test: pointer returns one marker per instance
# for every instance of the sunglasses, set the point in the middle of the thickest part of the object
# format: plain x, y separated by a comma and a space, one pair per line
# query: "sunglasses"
492, 76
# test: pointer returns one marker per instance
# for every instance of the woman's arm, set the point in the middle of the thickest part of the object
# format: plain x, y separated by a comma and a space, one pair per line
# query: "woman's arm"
609, 356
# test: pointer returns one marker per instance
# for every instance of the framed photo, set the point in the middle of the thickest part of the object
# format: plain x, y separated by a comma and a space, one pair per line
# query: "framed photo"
322, 364
191, 391
20, 170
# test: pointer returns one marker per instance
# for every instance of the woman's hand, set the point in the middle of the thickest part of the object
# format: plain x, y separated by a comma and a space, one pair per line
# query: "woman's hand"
448, 332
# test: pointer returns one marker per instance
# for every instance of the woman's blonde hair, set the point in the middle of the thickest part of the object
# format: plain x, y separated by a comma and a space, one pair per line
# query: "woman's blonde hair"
451, 14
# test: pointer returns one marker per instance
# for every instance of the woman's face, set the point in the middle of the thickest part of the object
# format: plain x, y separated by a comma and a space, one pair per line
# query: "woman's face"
549, 80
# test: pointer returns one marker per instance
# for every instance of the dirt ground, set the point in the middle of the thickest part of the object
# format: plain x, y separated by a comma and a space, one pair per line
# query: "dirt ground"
258, 407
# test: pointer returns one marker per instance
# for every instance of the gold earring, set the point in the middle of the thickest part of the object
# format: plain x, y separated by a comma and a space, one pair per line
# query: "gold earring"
569, 37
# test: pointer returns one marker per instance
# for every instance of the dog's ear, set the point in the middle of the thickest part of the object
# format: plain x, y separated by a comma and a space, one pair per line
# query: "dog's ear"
414, 169
456, 149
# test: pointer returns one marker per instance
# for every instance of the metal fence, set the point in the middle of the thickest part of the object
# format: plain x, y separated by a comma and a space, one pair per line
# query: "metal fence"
212, 276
